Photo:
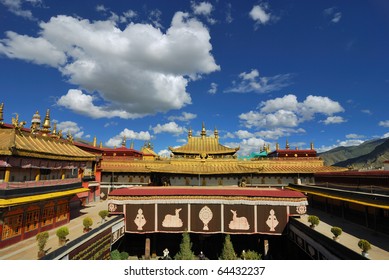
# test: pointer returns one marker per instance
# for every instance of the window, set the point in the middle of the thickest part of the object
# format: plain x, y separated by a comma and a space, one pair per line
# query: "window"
32, 220
62, 211
47, 215
12, 226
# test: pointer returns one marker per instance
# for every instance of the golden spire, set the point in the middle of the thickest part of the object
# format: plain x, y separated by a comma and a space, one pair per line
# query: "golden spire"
287, 145
124, 141
216, 133
203, 131
190, 133
277, 146
46, 123
1, 113
132, 145
101, 144
94, 141
312, 148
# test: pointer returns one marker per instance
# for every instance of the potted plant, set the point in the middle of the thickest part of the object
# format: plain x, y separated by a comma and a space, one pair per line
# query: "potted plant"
42, 239
103, 214
87, 223
336, 231
313, 220
62, 232
365, 246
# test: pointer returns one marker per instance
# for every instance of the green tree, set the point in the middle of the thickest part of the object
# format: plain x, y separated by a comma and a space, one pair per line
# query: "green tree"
103, 214
42, 239
251, 255
185, 252
228, 252
62, 232
87, 223
116, 255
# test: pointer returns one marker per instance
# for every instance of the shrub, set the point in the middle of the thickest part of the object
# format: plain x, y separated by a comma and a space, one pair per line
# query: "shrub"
364, 245
116, 255
42, 239
87, 222
336, 231
185, 252
103, 214
228, 252
251, 255
62, 232
313, 220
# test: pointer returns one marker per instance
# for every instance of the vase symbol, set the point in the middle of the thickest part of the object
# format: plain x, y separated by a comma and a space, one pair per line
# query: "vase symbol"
272, 221
205, 216
140, 220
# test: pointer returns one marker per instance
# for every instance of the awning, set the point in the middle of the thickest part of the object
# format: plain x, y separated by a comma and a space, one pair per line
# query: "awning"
39, 197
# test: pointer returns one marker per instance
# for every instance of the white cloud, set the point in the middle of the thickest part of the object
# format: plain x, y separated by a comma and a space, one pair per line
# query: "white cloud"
333, 14
281, 116
367, 111
17, 7
185, 117
384, 123
204, 9
70, 127
241, 134
165, 153
170, 127
354, 136
247, 146
213, 88
252, 82
129, 135
334, 119
259, 14
134, 72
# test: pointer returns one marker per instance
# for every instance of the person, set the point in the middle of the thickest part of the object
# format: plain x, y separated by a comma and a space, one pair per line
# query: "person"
202, 256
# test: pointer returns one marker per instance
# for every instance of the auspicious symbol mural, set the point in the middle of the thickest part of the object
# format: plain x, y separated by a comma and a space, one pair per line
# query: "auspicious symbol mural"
112, 207
140, 220
272, 221
240, 223
301, 209
205, 216
173, 221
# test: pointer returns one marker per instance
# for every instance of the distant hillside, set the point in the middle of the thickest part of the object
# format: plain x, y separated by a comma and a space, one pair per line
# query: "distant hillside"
370, 154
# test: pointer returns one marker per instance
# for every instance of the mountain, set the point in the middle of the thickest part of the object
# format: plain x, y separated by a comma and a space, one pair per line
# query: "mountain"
368, 155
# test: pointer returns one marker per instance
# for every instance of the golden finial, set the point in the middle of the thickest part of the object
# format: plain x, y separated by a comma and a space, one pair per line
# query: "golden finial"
190, 133
132, 145
46, 124
277, 146
124, 141
216, 133
1, 113
268, 148
94, 141
312, 148
203, 131
287, 145
101, 145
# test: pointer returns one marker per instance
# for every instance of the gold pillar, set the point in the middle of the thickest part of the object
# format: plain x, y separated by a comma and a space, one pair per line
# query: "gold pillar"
7, 174
63, 175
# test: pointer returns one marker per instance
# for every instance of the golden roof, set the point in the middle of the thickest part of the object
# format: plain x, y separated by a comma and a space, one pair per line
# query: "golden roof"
19, 143
219, 166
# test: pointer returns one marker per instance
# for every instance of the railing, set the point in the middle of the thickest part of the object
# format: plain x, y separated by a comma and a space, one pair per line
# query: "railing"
41, 183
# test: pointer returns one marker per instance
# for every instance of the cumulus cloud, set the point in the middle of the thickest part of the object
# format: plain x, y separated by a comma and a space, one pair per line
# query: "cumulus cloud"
247, 146
261, 14
185, 117
287, 112
129, 135
170, 127
70, 127
134, 72
253, 82
213, 88
354, 136
384, 123
204, 9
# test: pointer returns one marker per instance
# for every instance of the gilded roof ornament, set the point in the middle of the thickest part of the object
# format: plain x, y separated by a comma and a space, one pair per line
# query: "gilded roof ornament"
124, 142
1, 113
216, 133
203, 131
94, 141
189, 133
46, 124
18, 125
69, 137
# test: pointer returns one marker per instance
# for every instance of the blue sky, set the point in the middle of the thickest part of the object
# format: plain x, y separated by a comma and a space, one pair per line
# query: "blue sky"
260, 72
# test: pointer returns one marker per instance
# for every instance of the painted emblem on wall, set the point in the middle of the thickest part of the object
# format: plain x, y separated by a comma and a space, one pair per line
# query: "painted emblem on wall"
205, 216
140, 220
272, 221
240, 223
173, 221
302, 209
112, 207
